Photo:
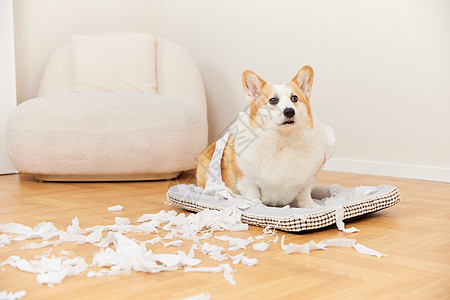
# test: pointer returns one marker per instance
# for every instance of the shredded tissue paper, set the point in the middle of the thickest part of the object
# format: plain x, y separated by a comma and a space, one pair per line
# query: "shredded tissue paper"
119, 254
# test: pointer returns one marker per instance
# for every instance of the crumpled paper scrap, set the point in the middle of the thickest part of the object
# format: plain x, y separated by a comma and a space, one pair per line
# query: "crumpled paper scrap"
49, 270
115, 208
235, 243
260, 246
44, 230
225, 268
337, 242
5, 240
12, 295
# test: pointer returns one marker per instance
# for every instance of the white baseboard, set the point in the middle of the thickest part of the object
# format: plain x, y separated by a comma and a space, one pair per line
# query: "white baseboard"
388, 169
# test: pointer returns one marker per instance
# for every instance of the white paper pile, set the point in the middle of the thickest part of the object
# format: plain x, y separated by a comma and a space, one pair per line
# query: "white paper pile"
341, 195
119, 254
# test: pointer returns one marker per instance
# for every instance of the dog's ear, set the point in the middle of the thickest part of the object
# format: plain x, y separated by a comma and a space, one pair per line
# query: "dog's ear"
304, 80
253, 85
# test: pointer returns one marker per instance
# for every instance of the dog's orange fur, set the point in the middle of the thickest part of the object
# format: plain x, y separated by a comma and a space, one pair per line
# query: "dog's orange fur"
229, 167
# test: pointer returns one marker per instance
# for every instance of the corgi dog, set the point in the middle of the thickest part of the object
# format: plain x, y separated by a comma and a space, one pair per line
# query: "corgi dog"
276, 147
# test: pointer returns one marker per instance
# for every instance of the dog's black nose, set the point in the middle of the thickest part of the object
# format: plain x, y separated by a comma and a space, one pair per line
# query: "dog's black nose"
289, 112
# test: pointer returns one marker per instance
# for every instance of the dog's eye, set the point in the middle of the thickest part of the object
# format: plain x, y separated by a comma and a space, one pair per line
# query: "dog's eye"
294, 98
273, 101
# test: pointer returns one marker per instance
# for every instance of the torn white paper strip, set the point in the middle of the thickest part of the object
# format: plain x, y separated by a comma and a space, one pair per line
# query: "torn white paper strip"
49, 270
337, 242
115, 208
161, 216
105, 242
66, 252
5, 240
122, 221
227, 273
304, 248
188, 260
94, 236
214, 252
340, 223
241, 258
176, 243
225, 268
12, 295
15, 228
261, 246
100, 273
154, 240
365, 250
75, 227
30, 246
235, 242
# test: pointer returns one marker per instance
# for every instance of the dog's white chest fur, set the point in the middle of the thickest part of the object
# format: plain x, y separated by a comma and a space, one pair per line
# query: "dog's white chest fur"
276, 166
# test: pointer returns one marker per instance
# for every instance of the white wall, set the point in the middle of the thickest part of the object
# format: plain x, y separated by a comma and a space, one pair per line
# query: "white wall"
7, 79
41, 26
382, 67
382, 70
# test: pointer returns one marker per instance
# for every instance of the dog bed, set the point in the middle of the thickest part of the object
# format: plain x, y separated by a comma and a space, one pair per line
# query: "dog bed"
334, 204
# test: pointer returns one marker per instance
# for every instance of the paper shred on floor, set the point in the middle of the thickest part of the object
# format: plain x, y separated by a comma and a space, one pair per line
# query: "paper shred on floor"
30, 246
225, 268
119, 254
12, 295
365, 250
338, 242
340, 223
236, 243
260, 246
176, 243
5, 240
115, 208
241, 258
49, 270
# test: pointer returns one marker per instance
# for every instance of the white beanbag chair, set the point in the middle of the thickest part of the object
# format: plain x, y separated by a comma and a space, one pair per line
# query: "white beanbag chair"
105, 134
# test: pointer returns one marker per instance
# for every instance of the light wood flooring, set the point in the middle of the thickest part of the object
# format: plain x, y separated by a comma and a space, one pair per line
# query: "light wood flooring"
415, 235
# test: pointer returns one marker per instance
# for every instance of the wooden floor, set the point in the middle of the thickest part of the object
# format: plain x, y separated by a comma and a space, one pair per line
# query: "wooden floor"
414, 234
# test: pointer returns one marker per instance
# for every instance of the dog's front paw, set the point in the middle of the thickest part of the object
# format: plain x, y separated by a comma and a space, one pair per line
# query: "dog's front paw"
304, 202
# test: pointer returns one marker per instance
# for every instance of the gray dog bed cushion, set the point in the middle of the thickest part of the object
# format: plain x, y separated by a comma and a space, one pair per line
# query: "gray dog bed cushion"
334, 205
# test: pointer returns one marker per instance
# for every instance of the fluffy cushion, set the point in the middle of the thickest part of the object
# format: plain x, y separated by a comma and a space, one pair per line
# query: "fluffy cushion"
114, 63
105, 133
